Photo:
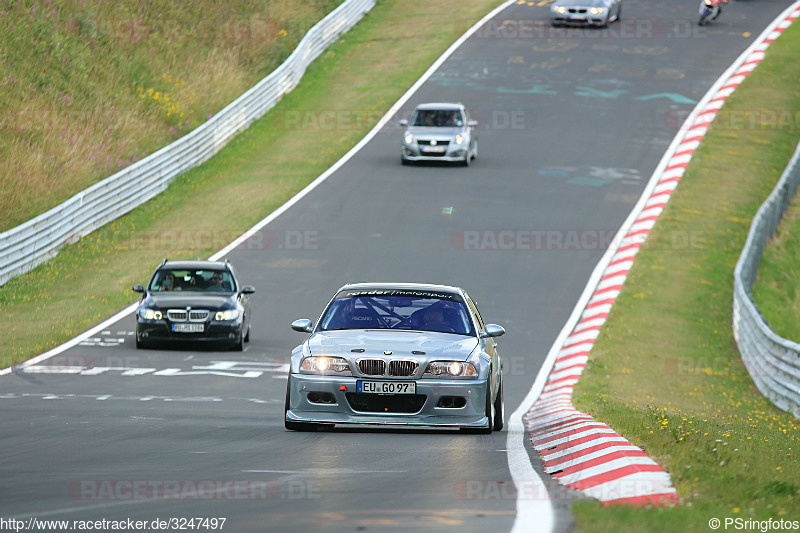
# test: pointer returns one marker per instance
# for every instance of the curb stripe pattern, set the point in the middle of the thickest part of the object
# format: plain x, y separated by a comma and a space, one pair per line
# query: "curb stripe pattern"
577, 450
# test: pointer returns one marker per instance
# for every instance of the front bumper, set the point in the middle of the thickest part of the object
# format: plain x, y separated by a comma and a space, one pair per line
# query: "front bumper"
300, 409
455, 152
581, 20
161, 331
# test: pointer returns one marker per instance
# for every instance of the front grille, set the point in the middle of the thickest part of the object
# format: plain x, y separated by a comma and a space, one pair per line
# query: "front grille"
403, 368
198, 316
385, 403
177, 315
438, 143
576, 10
372, 367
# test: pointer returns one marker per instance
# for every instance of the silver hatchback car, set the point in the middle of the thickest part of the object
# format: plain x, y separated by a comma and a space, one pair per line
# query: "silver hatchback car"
585, 12
399, 355
439, 132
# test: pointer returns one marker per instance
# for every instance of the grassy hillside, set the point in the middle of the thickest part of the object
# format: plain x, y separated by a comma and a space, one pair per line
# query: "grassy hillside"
89, 87
777, 288
358, 78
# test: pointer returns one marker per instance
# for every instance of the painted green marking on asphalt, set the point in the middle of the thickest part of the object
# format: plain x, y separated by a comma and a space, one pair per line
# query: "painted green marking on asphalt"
675, 97
536, 89
595, 93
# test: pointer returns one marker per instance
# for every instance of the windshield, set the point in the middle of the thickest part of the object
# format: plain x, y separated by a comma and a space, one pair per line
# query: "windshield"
192, 280
377, 311
438, 118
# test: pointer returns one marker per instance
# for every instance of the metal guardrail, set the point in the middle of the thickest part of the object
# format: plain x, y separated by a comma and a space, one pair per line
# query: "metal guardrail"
772, 361
30, 244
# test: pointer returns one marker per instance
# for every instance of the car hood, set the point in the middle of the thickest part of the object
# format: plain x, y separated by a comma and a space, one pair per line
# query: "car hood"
184, 300
400, 343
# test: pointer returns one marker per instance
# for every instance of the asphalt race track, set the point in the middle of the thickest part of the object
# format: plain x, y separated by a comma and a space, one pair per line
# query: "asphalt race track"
573, 123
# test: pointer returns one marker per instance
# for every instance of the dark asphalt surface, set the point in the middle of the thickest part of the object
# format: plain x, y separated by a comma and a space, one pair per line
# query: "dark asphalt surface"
573, 125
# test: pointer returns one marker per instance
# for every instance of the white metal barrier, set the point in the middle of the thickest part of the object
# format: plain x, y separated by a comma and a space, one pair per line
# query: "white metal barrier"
29, 244
772, 361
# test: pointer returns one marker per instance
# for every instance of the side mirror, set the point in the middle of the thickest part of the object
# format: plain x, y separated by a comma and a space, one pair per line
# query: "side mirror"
403, 122
303, 325
493, 330
248, 289
138, 288
472, 123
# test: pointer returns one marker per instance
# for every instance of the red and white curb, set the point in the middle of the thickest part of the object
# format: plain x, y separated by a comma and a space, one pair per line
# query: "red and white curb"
577, 450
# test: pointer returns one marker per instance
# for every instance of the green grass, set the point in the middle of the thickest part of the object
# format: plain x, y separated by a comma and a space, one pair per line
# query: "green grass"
90, 87
362, 75
665, 371
777, 288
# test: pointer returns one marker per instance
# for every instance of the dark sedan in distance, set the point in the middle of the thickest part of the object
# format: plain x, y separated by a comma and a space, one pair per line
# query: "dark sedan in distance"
193, 301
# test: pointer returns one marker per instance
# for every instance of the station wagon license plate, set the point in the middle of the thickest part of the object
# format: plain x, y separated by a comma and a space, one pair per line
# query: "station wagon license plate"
386, 387
188, 328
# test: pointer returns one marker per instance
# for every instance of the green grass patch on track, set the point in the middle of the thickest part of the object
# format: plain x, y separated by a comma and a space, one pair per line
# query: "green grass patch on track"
665, 371
359, 78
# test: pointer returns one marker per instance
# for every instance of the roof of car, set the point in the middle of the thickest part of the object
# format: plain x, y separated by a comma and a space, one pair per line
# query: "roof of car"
440, 106
402, 286
195, 265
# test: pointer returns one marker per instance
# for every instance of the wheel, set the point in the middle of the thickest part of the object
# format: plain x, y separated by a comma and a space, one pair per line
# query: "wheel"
467, 159
499, 407
619, 14
247, 337
404, 161
299, 426
140, 344
238, 344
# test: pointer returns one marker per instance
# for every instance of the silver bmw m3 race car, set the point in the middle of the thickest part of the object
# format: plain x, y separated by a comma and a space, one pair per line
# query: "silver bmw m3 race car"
397, 354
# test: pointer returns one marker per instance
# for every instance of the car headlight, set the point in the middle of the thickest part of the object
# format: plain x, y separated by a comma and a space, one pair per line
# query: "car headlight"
230, 314
597, 10
451, 369
322, 365
409, 138
560, 9
150, 314
459, 139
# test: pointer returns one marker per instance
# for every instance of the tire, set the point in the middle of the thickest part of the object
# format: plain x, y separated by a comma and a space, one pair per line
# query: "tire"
467, 159
405, 162
299, 426
238, 344
247, 337
140, 344
499, 407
